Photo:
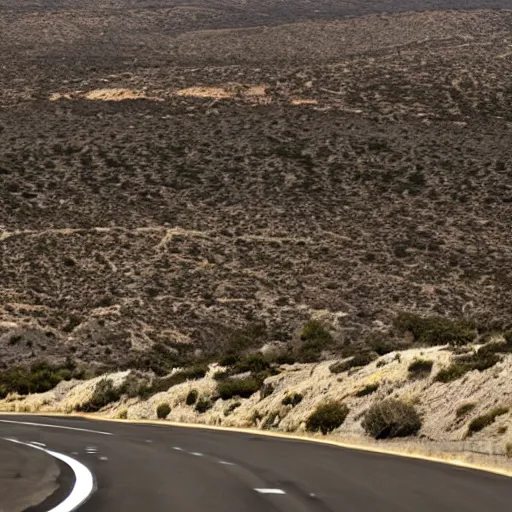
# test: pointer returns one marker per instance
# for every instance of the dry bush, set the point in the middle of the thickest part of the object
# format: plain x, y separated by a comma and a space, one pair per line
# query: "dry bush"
327, 417
391, 418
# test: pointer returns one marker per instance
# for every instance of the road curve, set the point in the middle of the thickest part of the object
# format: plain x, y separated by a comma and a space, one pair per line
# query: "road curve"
161, 468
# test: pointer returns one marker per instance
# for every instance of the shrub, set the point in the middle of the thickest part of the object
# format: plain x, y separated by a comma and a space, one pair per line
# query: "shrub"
292, 399
367, 390
254, 363
315, 337
244, 388
435, 330
508, 450
327, 417
502, 429
231, 408
464, 409
391, 418
420, 368
191, 397
478, 361
104, 393
162, 411
122, 414
203, 405
357, 361
508, 337
229, 360
38, 378
485, 420
266, 390
164, 383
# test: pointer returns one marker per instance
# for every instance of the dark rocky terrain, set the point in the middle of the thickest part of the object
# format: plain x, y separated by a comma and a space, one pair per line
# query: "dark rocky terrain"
171, 173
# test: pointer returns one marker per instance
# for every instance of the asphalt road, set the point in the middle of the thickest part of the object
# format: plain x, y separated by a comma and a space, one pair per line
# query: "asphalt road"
160, 468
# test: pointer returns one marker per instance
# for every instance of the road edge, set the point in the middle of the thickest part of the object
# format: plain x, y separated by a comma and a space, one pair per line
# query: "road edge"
83, 487
284, 435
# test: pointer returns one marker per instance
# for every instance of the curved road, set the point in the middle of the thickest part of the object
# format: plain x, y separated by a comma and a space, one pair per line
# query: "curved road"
160, 468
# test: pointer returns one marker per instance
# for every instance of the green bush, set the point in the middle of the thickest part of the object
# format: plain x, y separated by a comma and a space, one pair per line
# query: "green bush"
254, 363
367, 390
231, 408
485, 420
391, 418
420, 368
164, 383
104, 393
508, 337
162, 411
315, 337
191, 397
40, 377
203, 405
464, 409
478, 361
435, 330
357, 361
327, 417
292, 399
244, 388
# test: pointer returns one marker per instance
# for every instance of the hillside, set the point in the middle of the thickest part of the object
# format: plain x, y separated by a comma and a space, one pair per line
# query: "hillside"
174, 176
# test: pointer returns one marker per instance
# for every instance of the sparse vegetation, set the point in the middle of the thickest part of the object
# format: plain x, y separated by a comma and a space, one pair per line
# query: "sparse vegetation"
485, 420
243, 388
314, 339
480, 361
191, 397
292, 399
37, 378
508, 450
420, 368
464, 409
203, 404
327, 417
163, 410
435, 330
104, 394
391, 418
367, 390
357, 361
122, 414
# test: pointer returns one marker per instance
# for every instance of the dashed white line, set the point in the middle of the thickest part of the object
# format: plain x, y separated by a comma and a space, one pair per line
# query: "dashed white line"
84, 481
103, 458
196, 454
226, 463
270, 491
30, 424
37, 443
177, 448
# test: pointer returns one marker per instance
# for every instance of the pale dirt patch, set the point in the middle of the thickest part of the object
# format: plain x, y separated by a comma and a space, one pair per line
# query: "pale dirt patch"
114, 94
303, 101
227, 91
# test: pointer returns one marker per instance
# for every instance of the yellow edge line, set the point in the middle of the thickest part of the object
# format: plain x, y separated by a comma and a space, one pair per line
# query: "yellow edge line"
282, 435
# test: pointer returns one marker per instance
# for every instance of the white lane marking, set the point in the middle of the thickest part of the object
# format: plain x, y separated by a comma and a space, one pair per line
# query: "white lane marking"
103, 458
270, 491
84, 481
226, 463
56, 426
177, 448
37, 444
91, 449
196, 454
